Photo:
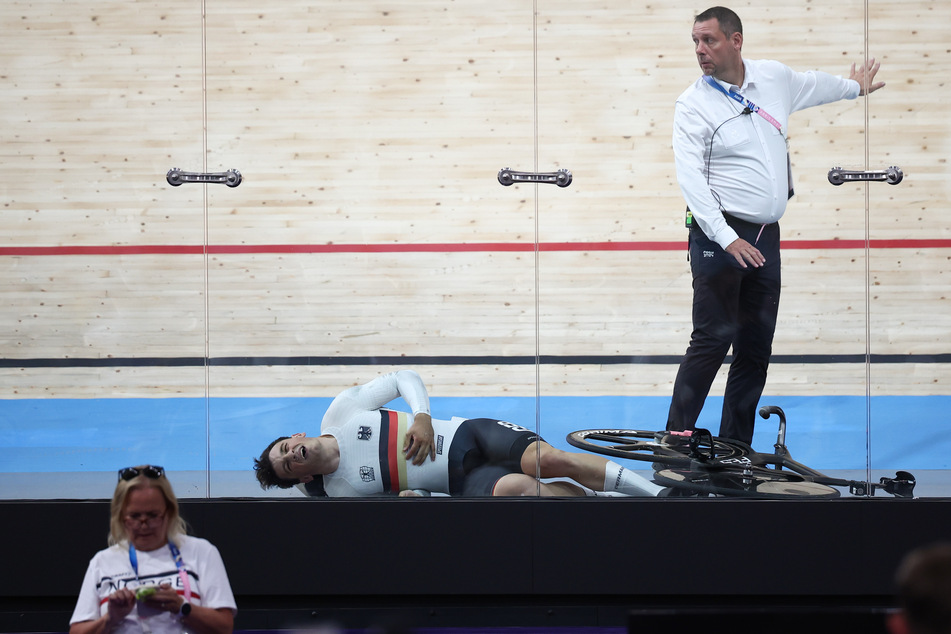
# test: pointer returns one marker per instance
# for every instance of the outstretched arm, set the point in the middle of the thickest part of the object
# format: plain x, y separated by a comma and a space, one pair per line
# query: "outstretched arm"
864, 74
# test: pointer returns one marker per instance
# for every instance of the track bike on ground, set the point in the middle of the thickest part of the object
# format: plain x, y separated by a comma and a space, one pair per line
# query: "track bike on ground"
696, 463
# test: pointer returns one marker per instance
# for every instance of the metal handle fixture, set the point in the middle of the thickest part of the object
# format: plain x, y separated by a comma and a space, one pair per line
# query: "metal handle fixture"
507, 177
175, 177
892, 175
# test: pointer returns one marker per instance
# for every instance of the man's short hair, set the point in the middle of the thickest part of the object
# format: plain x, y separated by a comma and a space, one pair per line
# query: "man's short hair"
264, 470
924, 589
729, 21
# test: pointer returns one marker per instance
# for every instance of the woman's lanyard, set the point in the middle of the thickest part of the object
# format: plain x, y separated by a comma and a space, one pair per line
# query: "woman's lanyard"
177, 556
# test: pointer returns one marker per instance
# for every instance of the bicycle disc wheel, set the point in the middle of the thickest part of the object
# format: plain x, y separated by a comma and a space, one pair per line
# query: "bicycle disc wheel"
654, 446
757, 482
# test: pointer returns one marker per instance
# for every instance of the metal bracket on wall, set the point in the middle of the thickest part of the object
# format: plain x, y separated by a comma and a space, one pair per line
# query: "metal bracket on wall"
892, 175
175, 177
507, 177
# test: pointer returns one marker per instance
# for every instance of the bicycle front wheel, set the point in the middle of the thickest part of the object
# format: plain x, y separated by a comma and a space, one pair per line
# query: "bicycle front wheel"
655, 446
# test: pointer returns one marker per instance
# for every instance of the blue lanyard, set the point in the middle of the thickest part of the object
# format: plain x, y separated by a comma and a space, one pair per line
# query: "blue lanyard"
746, 103
179, 564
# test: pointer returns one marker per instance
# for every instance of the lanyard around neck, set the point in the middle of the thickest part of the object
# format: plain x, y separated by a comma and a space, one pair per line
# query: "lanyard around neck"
176, 556
746, 103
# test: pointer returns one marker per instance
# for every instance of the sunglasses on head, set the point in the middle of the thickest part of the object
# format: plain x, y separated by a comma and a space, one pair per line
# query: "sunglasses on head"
149, 471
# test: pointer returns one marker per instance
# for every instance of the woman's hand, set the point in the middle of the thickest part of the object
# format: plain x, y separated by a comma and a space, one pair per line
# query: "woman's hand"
165, 598
121, 603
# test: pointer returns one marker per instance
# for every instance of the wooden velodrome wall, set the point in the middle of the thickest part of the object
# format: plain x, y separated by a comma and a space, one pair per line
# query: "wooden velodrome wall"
370, 223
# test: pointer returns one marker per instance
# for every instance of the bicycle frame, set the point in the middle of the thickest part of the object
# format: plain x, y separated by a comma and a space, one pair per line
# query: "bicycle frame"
902, 485
699, 452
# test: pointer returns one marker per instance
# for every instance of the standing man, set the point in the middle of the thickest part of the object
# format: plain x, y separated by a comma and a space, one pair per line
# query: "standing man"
732, 161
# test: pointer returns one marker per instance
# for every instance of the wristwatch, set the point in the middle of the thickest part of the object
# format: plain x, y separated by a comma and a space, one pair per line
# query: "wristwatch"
185, 610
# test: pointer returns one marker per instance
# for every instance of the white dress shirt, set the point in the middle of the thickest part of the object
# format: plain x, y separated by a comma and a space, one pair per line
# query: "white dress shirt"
737, 163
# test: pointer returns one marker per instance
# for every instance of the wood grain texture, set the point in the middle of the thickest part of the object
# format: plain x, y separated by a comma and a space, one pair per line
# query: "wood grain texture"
386, 123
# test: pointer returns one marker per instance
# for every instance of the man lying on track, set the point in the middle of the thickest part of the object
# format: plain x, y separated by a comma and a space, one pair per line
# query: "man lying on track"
364, 449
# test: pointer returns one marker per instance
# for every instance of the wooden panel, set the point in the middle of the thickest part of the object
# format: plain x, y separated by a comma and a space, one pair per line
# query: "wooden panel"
381, 122
103, 306
387, 123
98, 103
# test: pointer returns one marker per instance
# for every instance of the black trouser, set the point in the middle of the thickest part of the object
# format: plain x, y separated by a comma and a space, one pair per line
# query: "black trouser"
731, 306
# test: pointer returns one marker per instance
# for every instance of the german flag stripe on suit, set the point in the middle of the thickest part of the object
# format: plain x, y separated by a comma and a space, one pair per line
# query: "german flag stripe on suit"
393, 426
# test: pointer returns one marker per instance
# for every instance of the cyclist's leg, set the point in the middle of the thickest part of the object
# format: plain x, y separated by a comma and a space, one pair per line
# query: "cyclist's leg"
594, 472
519, 484
520, 449
586, 469
499, 481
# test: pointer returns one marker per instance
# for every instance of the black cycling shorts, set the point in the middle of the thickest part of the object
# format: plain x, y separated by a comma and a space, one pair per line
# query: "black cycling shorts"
482, 451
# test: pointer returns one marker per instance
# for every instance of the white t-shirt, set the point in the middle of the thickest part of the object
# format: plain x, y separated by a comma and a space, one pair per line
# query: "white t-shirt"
111, 569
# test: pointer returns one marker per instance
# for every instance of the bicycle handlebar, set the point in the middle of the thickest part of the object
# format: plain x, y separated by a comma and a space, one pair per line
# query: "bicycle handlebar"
780, 445
768, 410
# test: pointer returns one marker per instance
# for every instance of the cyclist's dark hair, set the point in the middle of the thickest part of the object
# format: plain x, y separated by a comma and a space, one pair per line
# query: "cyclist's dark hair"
264, 470
729, 21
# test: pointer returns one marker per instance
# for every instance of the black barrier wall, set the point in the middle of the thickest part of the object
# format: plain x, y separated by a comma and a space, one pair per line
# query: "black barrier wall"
450, 562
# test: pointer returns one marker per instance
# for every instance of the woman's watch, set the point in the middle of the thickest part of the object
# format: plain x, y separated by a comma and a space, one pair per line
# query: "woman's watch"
185, 609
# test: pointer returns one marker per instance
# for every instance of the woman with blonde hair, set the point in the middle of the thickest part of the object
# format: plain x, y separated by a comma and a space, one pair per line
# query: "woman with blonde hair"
153, 577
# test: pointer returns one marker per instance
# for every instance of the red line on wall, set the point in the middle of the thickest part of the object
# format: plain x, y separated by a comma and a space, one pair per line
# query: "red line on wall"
230, 249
